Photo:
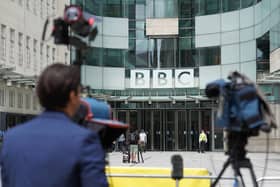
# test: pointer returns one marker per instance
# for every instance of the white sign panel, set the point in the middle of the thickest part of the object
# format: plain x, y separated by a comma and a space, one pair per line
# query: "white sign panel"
184, 78
162, 79
162, 26
140, 78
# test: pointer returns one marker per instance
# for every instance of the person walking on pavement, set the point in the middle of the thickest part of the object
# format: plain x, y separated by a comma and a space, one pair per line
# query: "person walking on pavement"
133, 144
52, 150
143, 140
121, 141
140, 147
202, 141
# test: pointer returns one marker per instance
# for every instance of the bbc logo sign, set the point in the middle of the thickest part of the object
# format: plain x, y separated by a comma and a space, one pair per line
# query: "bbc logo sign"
175, 78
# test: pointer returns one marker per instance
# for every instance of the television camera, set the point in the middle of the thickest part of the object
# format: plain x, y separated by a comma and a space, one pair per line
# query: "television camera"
242, 112
83, 26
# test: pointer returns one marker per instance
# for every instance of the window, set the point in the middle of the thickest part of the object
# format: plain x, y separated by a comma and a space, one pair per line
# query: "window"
35, 7
41, 56
187, 58
27, 101
3, 42
48, 7
20, 48
2, 97
209, 56
20, 2
66, 58
12, 46
53, 55
247, 3
113, 58
54, 6
28, 53
35, 103
35, 60
186, 8
28, 4
263, 52
20, 100
163, 9
11, 98
48, 54
230, 5
42, 8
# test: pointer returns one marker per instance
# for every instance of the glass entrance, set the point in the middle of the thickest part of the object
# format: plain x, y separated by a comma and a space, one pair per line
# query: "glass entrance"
183, 131
194, 130
163, 130
169, 130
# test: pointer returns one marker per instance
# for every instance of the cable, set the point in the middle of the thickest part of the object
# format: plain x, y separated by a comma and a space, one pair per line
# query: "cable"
266, 159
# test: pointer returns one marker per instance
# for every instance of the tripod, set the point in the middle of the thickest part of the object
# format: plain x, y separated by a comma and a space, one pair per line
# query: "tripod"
237, 158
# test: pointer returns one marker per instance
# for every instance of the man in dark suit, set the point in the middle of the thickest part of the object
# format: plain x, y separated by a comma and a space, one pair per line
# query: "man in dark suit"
51, 150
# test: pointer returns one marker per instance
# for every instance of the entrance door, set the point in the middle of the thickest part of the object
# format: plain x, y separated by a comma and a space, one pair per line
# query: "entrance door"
183, 131
157, 130
169, 127
194, 131
164, 130
206, 125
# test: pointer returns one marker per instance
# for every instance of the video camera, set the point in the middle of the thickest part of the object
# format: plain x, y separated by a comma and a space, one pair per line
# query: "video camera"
81, 23
96, 115
243, 112
242, 108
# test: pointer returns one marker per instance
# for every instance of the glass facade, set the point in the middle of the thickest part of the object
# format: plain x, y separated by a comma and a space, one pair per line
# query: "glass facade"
214, 38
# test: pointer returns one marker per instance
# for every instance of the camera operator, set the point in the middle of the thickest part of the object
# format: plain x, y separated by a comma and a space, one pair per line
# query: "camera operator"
52, 150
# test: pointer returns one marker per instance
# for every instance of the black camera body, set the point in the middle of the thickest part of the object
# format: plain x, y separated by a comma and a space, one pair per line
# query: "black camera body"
80, 23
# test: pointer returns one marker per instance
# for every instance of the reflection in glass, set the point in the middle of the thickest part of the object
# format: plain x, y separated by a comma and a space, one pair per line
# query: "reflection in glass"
186, 8
247, 3
163, 52
93, 56
209, 56
113, 57
263, 52
138, 55
204, 7
162, 8
187, 58
230, 5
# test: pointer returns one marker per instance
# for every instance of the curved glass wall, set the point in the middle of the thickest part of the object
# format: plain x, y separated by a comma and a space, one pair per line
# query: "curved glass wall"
161, 8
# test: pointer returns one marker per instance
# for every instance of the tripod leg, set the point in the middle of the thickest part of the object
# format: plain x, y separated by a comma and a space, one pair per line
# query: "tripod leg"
242, 180
221, 173
254, 179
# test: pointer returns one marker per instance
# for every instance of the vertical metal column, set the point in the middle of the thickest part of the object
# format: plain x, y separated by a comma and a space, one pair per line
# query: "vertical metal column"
213, 129
176, 123
152, 130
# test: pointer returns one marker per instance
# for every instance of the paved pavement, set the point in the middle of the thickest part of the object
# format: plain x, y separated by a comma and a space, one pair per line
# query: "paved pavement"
213, 161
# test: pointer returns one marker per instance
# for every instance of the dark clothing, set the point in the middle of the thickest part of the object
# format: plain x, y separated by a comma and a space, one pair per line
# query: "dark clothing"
52, 151
202, 146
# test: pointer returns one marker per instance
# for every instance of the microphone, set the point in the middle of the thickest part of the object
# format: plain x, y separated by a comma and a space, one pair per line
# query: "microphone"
177, 167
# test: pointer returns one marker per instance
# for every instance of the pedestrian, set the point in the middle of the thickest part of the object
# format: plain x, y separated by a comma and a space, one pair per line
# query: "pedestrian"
202, 141
133, 144
140, 149
52, 150
143, 140
121, 141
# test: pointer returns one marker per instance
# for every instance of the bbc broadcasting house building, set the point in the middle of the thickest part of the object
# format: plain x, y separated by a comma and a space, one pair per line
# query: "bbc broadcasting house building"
23, 55
152, 59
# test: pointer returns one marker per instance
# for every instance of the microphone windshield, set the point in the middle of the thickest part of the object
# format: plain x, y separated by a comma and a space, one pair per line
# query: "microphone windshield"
177, 167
